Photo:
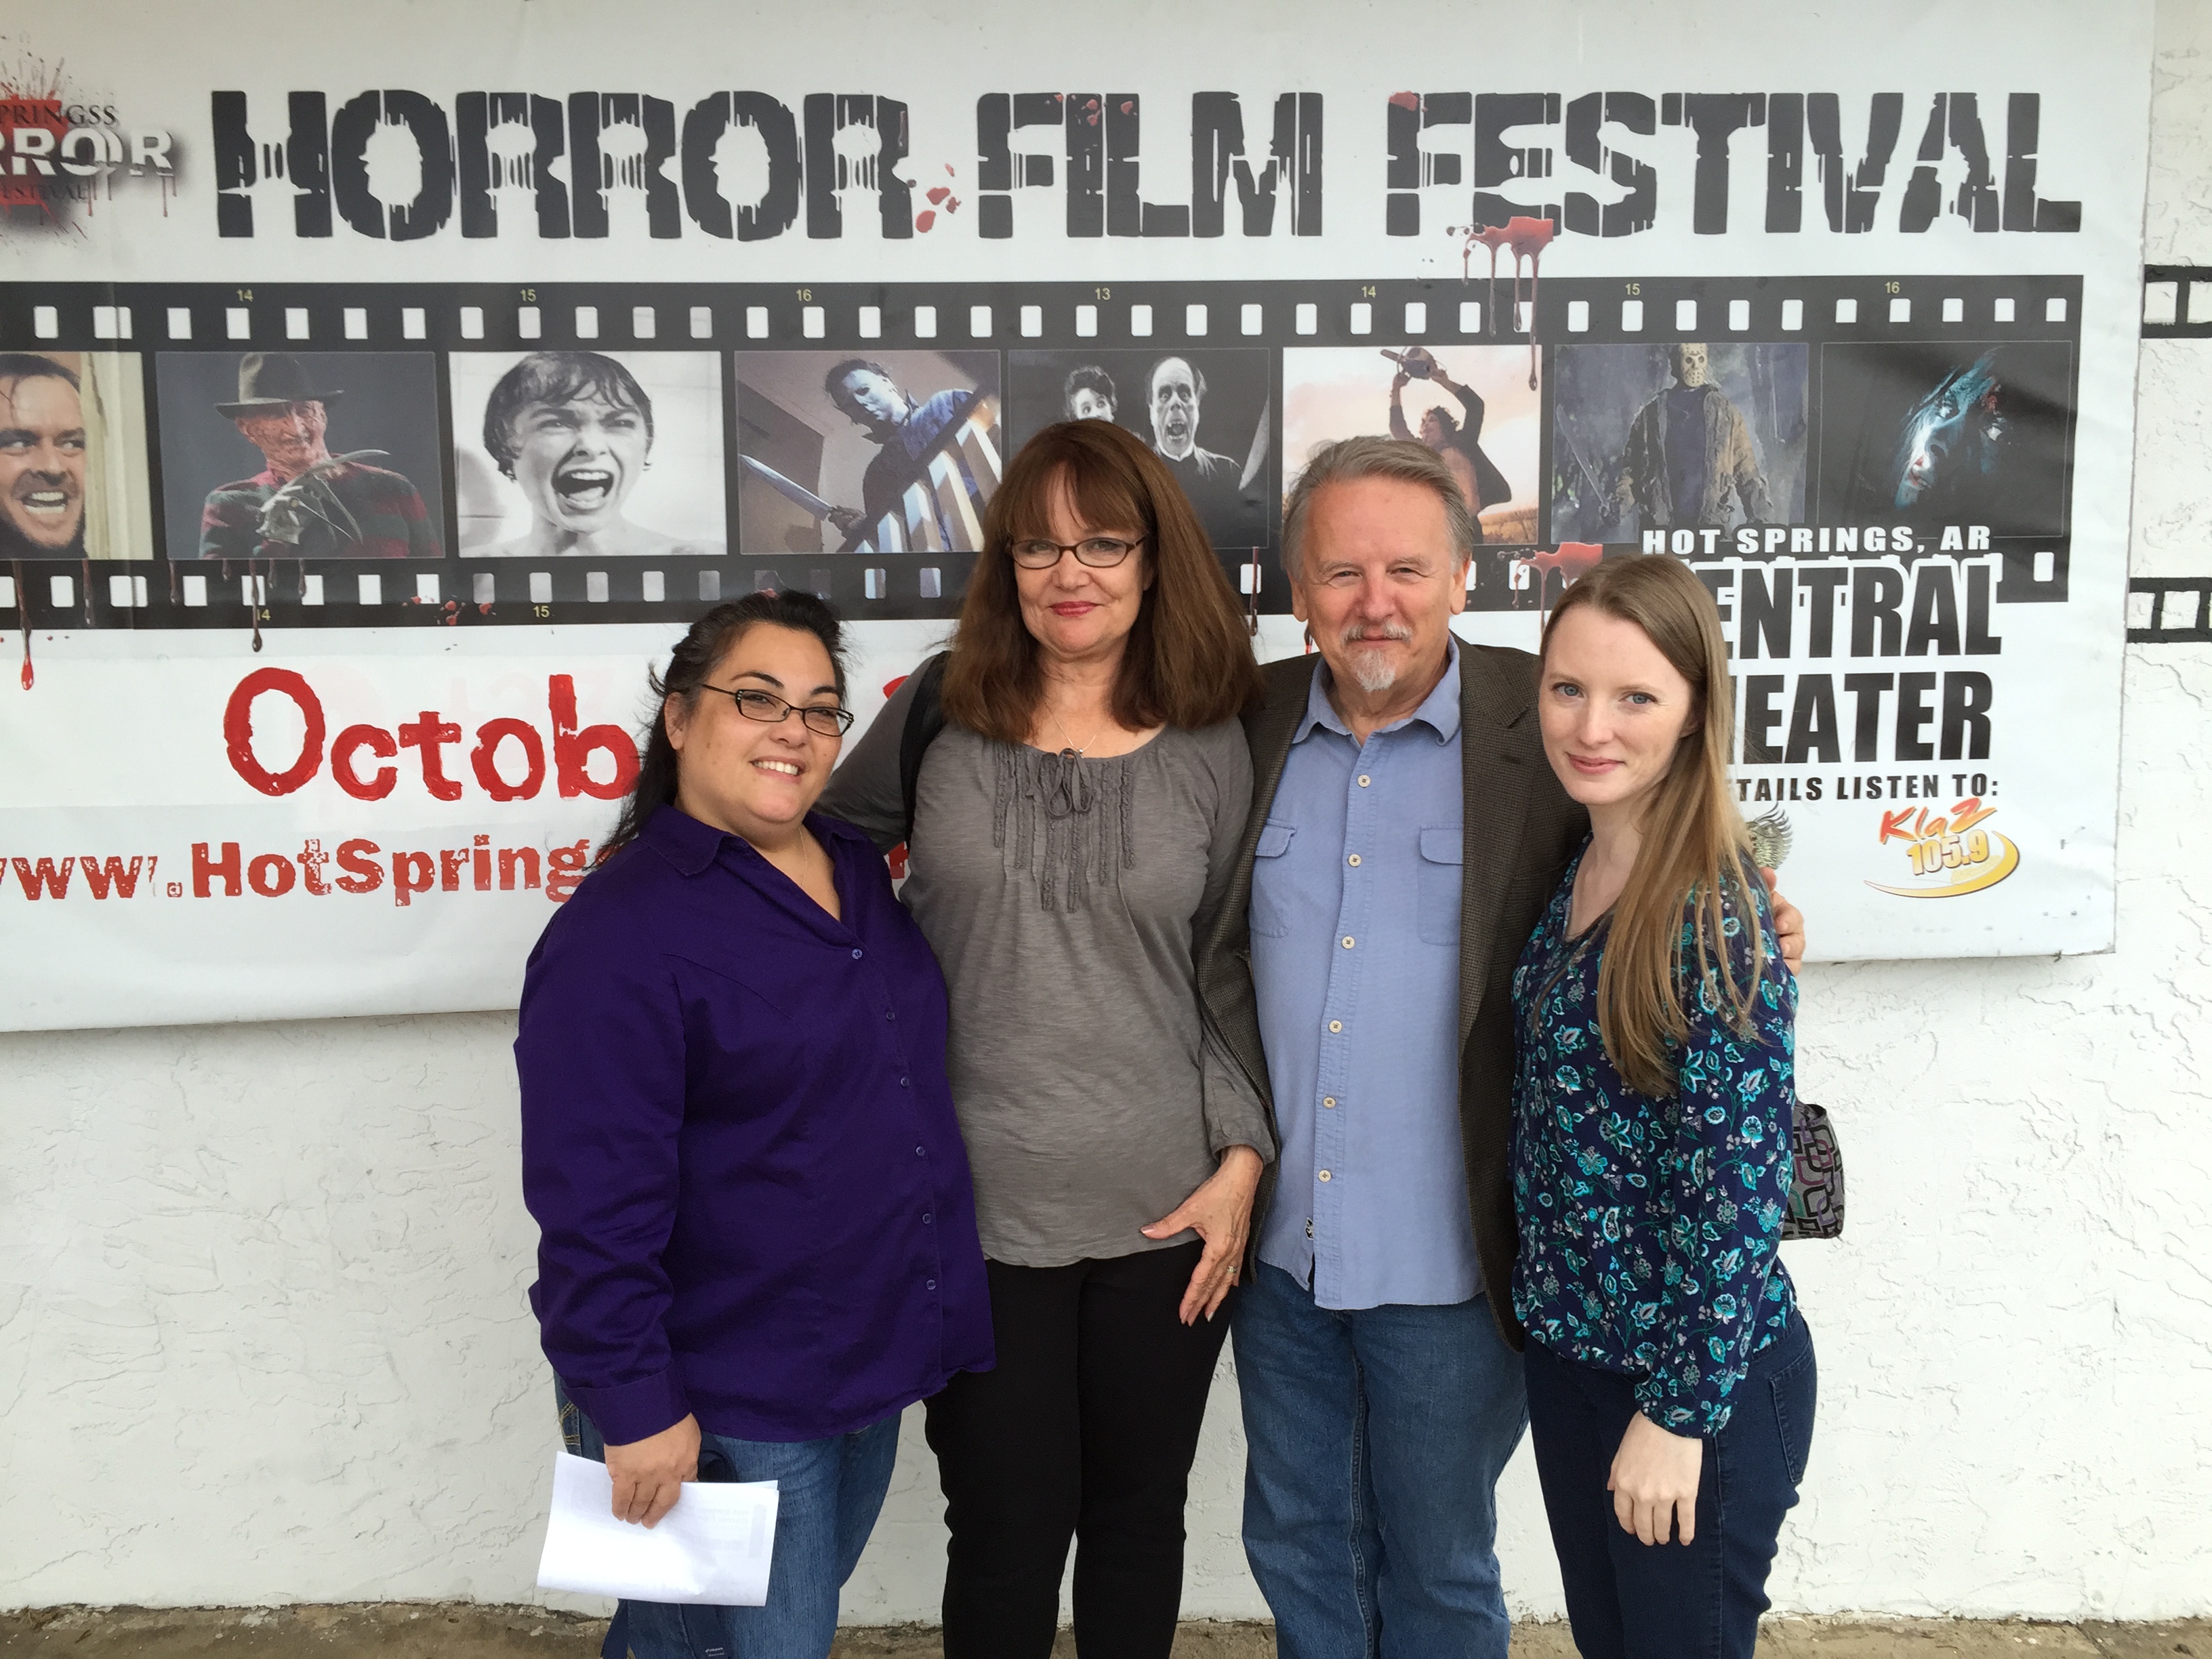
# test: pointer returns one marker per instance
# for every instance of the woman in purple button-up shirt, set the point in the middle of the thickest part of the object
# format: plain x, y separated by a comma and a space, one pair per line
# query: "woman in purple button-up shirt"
758, 1240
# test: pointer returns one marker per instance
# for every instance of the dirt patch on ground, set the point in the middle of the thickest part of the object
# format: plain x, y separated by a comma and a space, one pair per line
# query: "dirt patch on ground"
466, 1631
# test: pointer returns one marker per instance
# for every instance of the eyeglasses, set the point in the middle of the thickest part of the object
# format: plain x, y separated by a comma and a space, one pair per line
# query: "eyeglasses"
1099, 552
771, 710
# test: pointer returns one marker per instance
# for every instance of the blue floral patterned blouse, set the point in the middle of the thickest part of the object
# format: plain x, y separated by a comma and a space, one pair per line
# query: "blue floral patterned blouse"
1648, 1226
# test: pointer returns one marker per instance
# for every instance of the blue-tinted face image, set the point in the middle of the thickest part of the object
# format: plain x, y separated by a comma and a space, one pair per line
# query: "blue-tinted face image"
1956, 428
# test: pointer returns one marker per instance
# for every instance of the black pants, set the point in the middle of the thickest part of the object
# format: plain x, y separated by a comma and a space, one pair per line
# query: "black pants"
1629, 1600
1085, 1431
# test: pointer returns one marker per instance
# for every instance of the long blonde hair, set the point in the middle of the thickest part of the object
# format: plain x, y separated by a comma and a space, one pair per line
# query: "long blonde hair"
1694, 852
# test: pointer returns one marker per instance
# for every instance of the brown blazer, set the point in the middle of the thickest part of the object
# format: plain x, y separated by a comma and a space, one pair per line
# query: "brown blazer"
1521, 829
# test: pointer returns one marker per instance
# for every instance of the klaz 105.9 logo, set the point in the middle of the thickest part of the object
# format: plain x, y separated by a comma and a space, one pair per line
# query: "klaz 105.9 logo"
1948, 855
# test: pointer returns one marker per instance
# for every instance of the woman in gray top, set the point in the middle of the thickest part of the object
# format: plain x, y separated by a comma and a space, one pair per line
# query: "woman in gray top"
1075, 823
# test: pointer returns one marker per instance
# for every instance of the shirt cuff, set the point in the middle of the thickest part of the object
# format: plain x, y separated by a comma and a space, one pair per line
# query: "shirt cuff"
633, 1411
1693, 1417
1234, 1114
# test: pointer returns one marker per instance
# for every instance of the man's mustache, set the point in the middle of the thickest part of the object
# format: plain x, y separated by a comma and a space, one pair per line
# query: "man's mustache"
1365, 633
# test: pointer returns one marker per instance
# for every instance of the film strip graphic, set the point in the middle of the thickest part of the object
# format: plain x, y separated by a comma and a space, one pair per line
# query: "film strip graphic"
334, 455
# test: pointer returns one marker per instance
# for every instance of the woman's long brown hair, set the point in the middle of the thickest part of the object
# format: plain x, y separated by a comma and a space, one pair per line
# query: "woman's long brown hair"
1694, 854
1189, 662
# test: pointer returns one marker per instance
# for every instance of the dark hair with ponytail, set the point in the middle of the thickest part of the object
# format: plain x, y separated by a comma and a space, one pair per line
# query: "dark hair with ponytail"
694, 660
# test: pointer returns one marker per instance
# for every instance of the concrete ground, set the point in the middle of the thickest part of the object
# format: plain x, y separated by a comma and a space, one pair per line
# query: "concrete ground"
463, 1630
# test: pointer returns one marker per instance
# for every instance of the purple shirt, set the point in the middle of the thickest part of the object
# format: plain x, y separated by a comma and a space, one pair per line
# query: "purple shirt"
739, 1146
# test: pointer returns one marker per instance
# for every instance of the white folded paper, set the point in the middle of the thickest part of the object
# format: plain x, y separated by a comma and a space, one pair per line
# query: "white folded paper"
713, 1547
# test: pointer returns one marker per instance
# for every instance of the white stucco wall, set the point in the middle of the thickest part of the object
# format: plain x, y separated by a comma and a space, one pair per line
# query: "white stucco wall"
263, 1335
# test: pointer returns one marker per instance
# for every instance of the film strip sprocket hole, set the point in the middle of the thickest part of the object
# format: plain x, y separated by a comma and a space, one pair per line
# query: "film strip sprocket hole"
468, 454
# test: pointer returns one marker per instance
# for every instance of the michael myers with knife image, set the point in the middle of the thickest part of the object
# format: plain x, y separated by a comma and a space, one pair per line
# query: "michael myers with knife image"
898, 451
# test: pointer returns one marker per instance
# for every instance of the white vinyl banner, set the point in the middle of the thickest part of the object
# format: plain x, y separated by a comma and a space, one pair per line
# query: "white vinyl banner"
377, 400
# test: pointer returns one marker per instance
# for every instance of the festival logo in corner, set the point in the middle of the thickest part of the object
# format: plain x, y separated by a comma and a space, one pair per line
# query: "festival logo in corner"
62, 152
1950, 855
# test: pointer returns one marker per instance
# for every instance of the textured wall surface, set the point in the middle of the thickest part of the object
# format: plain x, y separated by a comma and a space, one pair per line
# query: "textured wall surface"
263, 1335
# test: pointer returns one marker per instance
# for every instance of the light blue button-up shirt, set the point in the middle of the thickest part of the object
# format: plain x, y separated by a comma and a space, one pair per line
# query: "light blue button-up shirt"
1355, 959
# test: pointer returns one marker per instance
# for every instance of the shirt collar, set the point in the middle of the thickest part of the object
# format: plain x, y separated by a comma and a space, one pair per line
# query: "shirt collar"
690, 846
1439, 710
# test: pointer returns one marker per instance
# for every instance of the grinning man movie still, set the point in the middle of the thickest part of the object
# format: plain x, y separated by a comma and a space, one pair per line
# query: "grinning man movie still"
73, 482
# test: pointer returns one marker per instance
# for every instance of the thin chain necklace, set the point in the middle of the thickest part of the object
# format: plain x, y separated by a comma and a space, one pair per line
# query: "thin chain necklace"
1075, 750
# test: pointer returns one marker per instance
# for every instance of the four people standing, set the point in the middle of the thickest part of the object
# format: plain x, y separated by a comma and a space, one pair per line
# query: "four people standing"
1144, 952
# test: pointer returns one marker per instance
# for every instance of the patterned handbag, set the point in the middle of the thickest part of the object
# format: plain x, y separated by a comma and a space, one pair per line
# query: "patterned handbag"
1816, 1182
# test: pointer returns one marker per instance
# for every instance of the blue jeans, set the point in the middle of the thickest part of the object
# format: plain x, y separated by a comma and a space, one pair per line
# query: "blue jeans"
1376, 1438
1629, 1600
829, 1493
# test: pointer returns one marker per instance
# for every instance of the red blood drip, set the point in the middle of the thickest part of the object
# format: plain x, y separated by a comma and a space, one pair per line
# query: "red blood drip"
937, 194
1128, 106
1529, 238
1407, 100
953, 206
23, 622
925, 219
1570, 560
1493, 238
484, 609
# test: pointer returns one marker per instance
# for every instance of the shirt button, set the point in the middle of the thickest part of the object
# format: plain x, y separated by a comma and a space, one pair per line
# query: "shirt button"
1324, 1175
856, 953
891, 1013
921, 1152
903, 1083
1365, 780
1328, 1100
929, 1283
926, 1218
1354, 860
1336, 1025
1347, 941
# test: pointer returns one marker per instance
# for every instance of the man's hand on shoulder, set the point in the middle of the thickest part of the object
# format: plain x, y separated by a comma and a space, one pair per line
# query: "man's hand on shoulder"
1789, 926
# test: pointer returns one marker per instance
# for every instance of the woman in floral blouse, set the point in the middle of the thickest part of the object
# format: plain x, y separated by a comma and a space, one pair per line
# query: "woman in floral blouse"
1670, 1375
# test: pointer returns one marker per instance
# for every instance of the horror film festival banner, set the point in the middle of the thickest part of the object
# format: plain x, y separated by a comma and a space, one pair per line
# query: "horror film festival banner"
370, 418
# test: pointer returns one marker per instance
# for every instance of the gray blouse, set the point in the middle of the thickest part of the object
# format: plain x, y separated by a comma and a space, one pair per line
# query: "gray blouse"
1062, 896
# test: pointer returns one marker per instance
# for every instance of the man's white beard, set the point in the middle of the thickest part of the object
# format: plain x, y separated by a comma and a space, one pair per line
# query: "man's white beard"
1376, 671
